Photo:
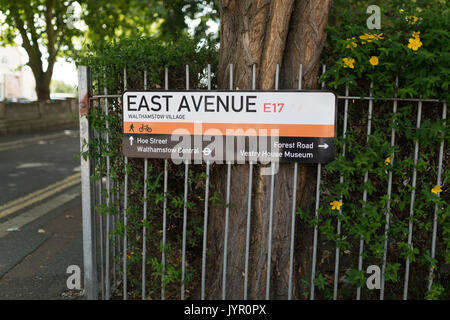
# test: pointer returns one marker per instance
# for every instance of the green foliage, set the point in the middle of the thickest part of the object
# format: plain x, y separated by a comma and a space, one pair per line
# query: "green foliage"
52, 29
60, 86
21, 17
435, 293
422, 73
107, 61
165, 19
422, 70
40, 24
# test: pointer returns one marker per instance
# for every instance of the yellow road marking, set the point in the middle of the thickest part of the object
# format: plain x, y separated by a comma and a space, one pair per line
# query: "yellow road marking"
36, 193
25, 142
39, 195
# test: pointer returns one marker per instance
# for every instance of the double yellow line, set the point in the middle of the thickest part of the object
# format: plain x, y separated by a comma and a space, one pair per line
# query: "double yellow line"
39, 195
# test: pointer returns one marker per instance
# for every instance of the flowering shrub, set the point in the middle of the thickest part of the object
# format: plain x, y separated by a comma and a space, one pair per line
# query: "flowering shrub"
413, 46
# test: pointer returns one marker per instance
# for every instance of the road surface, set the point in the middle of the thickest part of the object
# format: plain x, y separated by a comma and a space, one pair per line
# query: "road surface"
40, 215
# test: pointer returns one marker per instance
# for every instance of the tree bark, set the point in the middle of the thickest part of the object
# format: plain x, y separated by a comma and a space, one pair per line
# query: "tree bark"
265, 33
43, 88
29, 35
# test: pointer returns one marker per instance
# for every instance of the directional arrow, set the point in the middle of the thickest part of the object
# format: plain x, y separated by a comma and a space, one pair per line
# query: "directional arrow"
131, 140
325, 146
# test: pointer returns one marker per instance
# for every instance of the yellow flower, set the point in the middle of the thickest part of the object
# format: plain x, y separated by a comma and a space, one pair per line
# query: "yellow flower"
412, 19
416, 34
348, 62
414, 44
336, 205
370, 37
436, 189
351, 45
373, 60
387, 161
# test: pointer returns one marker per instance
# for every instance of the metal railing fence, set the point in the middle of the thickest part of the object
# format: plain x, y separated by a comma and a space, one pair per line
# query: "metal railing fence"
106, 204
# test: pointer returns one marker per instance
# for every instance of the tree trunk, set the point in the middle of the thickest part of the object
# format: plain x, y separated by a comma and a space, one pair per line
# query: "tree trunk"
42, 88
265, 33
41, 78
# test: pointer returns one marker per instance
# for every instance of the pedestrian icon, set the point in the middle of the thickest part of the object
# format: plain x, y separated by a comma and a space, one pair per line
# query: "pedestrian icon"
132, 127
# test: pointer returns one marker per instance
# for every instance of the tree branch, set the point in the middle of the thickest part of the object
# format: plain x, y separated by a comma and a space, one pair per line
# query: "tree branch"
49, 26
31, 48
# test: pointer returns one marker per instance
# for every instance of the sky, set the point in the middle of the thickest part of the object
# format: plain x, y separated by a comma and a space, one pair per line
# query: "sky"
62, 70
66, 72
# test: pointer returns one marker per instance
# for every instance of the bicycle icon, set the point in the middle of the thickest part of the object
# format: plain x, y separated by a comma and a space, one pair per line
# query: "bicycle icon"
145, 128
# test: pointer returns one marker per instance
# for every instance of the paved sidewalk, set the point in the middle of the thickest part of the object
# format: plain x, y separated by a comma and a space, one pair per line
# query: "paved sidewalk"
40, 260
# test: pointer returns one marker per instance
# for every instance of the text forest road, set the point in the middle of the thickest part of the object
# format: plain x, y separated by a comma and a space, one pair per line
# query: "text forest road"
40, 215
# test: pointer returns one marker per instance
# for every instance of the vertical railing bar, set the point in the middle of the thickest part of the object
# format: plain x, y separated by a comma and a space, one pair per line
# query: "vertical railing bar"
341, 181
163, 254
120, 206
205, 219
163, 257
98, 240
269, 243
96, 220
183, 263
95, 135
88, 214
388, 204
314, 257
125, 207
227, 213
247, 237
225, 245
438, 182
209, 77
186, 176
118, 247
144, 227
100, 215
113, 251
366, 178
249, 205
411, 206
205, 231
294, 205
291, 253
101, 227
272, 183
108, 194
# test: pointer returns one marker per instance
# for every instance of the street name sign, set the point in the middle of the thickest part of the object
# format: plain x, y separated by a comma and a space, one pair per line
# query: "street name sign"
231, 126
